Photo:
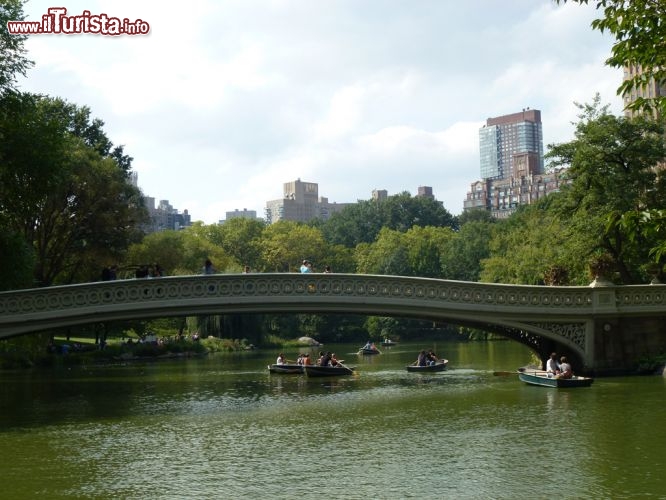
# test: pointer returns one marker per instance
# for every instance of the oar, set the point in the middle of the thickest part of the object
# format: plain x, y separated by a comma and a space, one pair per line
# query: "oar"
345, 366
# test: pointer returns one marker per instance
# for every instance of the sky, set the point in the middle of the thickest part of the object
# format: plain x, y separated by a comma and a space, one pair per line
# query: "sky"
223, 101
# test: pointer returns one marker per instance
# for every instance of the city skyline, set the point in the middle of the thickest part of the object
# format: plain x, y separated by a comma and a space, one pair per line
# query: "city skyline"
221, 104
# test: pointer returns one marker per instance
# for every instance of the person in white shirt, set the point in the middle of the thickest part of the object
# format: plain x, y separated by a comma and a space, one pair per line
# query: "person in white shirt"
280, 360
552, 365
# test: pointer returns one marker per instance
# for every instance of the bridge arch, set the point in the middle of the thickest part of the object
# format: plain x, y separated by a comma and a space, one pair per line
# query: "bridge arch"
538, 316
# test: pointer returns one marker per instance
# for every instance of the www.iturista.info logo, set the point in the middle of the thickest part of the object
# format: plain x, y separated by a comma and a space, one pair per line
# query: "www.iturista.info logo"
57, 22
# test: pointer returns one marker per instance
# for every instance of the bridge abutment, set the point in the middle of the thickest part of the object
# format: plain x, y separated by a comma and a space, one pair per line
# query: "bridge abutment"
629, 345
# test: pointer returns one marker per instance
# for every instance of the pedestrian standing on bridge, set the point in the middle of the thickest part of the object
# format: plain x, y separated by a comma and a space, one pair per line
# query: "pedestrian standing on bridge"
209, 268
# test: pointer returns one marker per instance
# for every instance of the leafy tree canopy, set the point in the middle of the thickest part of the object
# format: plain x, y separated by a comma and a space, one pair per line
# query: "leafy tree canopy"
13, 60
178, 253
362, 222
613, 172
639, 28
63, 189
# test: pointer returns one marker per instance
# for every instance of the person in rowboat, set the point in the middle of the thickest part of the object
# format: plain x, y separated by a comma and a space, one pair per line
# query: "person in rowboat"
334, 360
280, 360
552, 365
326, 359
565, 368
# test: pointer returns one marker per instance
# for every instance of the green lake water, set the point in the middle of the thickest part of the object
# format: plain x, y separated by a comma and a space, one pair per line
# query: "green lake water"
223, 427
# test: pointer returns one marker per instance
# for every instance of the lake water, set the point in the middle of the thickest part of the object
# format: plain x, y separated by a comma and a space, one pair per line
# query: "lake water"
223, 427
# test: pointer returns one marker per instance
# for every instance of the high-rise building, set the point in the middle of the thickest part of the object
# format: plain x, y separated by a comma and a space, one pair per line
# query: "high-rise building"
164, 217
379, 194
504, 137
425, 192
301, 202
650, 90
512, 165
241, 214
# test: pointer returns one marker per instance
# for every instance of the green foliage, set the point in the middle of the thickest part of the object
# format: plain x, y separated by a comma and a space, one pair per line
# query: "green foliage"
286, 244
362, 222
62, 188
530, 243
639, 30
24, 351
387, 255
12, 53
613, 174
416, 252
380, 327
224, 345
461, 258
240, 238
179, 252
18, 261
475, 215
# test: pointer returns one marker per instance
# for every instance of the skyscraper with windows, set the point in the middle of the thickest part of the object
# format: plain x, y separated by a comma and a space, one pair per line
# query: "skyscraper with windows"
504, 137
301, 202
512, 165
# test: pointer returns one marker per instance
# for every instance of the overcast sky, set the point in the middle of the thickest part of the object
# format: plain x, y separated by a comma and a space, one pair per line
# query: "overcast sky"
226, 100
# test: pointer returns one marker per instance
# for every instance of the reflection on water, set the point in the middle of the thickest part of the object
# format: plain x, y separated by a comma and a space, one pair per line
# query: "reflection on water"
224, 427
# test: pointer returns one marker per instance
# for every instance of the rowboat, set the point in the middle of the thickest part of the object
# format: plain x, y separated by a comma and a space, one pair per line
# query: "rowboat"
538, 377
388, 343
368, 352
286, 368
437, 367
327, 371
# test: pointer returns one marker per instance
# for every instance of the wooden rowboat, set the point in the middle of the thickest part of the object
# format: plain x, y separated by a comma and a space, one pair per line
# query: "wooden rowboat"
388, 343
368, 352
288, 369
327, 371
437, 367
538, 377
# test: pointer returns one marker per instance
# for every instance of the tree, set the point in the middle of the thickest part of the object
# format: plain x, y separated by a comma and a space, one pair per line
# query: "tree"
286, 243
425, 246
525, 247
462, 257
73, 204
640, 40
612, 172
387, 255
362, 222
179, 252
12, 54
240, 238
18, 261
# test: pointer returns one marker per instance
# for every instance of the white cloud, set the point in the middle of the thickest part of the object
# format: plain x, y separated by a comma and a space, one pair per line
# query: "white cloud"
224, 101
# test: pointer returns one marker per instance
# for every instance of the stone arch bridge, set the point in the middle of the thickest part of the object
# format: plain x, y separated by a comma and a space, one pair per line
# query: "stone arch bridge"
604, 329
